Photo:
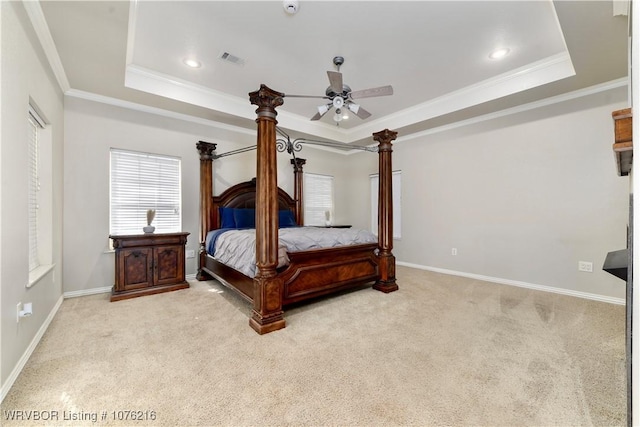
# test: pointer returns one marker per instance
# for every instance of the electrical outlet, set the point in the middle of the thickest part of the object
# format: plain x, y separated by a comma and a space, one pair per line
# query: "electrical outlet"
27, 309
190, 253
585, 266
454, 251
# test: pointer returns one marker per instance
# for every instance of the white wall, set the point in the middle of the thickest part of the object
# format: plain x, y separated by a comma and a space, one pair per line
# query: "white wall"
523, 198
92, 128
332, 163
25, 74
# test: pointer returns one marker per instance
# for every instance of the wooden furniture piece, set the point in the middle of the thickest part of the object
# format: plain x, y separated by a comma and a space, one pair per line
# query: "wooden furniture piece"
620, 263
623, 142
148, 264
310, 273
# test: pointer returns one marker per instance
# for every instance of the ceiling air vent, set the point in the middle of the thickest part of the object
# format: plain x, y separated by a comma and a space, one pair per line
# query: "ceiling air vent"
226, 56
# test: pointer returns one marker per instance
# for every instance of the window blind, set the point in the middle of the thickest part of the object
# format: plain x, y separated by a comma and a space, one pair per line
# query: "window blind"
33, 125
142, 181
318, 199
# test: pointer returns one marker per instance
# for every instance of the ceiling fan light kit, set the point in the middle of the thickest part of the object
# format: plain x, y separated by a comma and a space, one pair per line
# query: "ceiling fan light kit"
340, 95
322, 109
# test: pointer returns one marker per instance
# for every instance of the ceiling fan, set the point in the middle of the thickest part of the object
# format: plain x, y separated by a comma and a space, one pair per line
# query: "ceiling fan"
341, 96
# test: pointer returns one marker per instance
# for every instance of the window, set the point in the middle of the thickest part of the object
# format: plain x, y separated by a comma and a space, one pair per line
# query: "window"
34, 126
40, 195
396, 188
143, 181
318, 199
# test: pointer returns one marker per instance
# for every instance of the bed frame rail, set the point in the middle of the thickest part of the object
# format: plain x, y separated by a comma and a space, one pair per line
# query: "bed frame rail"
311, 273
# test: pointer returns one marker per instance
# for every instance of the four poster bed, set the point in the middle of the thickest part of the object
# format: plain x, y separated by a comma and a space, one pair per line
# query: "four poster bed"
283, 277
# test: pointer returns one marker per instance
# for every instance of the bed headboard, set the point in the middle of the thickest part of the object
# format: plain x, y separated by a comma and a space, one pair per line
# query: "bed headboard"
243, 196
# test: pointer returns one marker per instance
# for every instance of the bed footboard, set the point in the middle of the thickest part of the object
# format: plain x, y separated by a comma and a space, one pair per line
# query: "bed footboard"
310, 274
323, 271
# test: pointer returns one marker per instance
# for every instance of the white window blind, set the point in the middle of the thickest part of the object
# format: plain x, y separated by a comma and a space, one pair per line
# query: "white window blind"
396, 188
34, 124
142, 181
318, 199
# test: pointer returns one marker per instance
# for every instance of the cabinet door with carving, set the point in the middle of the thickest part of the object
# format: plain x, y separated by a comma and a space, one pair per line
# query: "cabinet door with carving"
169, 264
135, 269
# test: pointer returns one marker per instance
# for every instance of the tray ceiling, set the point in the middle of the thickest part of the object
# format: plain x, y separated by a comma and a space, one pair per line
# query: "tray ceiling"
435, 54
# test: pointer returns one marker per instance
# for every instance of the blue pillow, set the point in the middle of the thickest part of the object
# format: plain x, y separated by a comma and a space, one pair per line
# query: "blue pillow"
245, 218
226, 218
286, 219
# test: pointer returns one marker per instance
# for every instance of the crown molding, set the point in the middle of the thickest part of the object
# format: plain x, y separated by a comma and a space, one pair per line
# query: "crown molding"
74, 93
603, 87
131, 30
611, 85
545, 71
150, 81
535, 74
39, 23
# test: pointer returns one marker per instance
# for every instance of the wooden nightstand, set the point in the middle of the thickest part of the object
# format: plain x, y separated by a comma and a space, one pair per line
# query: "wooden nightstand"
148, 264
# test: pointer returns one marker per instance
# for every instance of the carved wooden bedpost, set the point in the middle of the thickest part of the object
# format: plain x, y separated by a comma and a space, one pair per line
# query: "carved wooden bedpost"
298, 188
206, 150
387, 262
267, 313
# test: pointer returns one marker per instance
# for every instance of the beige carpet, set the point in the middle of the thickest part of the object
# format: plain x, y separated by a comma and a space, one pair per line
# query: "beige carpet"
443, 350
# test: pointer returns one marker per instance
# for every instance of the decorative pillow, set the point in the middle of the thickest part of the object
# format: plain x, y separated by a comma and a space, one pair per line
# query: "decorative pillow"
226, 218
286, 219
245, 218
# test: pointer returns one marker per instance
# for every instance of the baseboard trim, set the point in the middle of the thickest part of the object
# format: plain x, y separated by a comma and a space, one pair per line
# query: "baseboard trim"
29, 351
85, 292
585, 295
105, 290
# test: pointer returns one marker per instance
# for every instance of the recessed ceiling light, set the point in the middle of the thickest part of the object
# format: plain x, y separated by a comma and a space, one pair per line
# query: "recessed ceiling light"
499, 53
192, 63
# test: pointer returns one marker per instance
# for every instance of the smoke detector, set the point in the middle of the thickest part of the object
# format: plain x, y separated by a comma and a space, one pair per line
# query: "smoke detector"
290, 6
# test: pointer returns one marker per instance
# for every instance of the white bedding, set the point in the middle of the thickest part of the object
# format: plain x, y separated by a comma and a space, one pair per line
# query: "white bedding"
237, 248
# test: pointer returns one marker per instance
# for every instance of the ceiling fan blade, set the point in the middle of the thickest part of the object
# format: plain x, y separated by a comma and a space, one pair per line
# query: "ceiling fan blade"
305, 96
375, 91
362, 113
335, 81
316, 117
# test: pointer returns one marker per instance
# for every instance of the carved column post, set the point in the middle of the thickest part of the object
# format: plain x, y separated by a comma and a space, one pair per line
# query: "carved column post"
206, 150
267, 313
298, 188
387, 262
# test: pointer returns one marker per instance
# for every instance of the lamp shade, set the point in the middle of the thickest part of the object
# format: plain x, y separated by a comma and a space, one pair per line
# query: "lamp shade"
322, 109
